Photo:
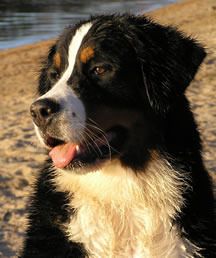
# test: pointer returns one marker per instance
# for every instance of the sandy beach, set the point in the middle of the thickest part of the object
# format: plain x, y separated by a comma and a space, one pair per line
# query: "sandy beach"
20, 152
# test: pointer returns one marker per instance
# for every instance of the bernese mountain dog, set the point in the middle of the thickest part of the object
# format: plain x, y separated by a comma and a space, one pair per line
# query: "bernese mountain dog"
125, 176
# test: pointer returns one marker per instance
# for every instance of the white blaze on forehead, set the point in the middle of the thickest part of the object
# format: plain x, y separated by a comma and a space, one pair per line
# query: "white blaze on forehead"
74, 48
59, 88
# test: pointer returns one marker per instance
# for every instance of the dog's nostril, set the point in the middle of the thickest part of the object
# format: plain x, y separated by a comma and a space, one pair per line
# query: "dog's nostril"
45, 112
73, 114
33, 113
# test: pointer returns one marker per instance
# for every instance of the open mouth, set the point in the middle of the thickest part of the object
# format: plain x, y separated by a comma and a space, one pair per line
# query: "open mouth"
89, 152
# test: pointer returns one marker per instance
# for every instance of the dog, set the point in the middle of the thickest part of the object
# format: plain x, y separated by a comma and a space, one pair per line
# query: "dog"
124, 176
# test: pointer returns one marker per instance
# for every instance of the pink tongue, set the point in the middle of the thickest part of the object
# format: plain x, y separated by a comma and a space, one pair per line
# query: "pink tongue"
62, 155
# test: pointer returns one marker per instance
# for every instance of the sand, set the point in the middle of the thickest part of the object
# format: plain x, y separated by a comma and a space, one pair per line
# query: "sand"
20, 153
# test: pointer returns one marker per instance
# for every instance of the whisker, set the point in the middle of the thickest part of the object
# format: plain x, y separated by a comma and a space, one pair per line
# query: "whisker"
88, 134
85, 141
93, 141
102, 141
93, 136
104, 135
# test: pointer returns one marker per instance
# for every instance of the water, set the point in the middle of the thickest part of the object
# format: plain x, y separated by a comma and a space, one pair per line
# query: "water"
27, 21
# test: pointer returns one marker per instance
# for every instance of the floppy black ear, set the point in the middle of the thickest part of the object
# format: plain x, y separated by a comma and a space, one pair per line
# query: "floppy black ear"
168, 60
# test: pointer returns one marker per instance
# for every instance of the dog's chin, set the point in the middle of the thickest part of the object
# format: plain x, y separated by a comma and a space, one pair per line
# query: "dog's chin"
88, 155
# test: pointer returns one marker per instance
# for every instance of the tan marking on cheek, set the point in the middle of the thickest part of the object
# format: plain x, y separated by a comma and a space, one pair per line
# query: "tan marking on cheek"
57, 60
86, 54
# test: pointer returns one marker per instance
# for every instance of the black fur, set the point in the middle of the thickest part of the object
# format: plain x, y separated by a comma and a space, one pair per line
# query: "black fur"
155, 65
48, 211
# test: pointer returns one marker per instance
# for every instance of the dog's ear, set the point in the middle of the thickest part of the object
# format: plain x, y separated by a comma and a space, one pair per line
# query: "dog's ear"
168, 61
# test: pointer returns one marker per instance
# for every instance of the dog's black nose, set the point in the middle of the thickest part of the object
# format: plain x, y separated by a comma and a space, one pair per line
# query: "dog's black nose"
43, 110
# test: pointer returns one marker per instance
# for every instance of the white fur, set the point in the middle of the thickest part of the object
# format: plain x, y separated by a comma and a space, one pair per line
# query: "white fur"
71, 127
123, 214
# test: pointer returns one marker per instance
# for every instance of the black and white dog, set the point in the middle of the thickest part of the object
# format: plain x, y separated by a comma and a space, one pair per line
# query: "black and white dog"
126, 177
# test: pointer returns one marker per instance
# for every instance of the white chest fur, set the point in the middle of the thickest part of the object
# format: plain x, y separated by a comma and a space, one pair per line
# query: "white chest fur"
123, 214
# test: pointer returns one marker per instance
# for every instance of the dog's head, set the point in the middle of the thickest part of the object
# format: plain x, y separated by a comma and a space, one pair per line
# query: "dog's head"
107, 85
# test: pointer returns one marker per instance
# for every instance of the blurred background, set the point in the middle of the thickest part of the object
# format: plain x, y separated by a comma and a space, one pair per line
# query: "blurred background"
28, 21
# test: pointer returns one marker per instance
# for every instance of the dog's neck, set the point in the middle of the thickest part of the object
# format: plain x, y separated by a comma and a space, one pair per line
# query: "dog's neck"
158, 185
126, 213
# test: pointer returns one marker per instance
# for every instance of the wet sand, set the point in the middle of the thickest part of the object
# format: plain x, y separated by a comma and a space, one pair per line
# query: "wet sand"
20, 153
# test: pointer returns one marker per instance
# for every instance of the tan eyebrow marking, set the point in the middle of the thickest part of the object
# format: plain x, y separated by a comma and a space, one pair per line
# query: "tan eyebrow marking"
57, 60
86, 54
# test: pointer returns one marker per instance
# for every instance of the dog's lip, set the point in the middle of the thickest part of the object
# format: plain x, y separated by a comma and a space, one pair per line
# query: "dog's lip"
63, 154
66, 154
51, 142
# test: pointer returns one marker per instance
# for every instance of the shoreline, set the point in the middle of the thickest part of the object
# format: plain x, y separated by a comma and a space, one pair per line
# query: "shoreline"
59, 16
20, 154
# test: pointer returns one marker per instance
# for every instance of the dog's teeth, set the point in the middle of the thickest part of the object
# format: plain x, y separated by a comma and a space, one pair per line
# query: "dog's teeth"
78, 149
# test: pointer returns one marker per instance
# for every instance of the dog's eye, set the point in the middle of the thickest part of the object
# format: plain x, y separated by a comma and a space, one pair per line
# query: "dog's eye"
99, 70
54, 75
